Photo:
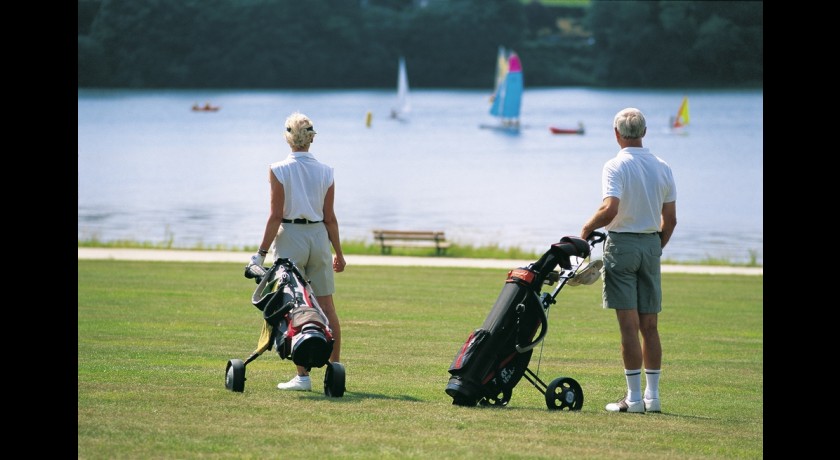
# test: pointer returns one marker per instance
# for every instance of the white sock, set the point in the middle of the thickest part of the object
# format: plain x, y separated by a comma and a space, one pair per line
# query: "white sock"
652, 383
634, 384
303, 377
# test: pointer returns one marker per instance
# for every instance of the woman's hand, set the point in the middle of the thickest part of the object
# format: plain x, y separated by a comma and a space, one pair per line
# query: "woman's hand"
339, 264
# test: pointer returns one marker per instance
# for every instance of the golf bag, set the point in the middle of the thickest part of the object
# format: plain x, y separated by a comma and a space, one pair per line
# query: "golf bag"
294, 325
300, 328
495, 356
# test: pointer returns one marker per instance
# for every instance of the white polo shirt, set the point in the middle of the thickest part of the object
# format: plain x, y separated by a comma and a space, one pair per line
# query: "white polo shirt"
642, 182
305, 182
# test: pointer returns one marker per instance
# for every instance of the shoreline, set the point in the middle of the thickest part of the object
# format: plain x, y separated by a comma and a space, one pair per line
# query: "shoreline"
184, 255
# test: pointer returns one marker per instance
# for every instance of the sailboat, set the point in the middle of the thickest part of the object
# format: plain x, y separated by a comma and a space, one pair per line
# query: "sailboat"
682, 119
507, 101
402, 106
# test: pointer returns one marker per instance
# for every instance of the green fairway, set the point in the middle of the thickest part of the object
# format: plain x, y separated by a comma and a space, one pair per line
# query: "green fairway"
154, 339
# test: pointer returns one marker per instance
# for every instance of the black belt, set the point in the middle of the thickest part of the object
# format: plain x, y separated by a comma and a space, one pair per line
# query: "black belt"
301, 221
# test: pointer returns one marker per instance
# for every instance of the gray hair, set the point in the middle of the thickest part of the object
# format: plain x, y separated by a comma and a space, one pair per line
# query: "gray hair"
630, 123
299, 130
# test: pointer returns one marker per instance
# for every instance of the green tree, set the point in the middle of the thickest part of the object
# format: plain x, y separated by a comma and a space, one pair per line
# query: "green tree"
666, 43
447, 43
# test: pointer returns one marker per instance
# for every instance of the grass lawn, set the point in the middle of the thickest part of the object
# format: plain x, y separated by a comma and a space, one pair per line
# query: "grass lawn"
154, 339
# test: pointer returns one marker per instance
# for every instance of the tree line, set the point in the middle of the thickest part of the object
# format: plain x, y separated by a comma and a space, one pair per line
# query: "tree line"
267, 44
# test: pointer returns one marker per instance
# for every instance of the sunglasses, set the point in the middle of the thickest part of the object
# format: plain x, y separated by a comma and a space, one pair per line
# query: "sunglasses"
288, 129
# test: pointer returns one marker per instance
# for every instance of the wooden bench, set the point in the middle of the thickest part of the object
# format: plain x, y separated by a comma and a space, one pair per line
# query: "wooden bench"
410, 239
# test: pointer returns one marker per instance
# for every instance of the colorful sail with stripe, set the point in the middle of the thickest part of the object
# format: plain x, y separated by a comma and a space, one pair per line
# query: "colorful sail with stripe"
507, 101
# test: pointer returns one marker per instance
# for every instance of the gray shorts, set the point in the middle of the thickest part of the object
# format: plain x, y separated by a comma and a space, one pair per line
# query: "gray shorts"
632, 275
308, 246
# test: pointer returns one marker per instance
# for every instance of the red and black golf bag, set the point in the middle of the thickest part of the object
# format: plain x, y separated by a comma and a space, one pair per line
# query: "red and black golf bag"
495, 356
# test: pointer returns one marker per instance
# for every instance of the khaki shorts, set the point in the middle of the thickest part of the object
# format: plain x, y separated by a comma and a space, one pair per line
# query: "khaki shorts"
308, 246
632, 272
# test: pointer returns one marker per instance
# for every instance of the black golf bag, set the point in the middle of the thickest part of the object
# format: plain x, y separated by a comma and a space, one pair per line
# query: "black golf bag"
295, 325
495, 356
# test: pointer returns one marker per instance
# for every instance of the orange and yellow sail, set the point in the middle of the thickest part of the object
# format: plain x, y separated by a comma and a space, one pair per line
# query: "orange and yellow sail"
682, 118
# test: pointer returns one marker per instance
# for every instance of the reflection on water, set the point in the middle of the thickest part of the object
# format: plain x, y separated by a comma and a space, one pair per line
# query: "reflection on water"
150, 169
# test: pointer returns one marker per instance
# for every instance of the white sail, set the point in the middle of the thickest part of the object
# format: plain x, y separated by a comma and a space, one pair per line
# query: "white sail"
403, 105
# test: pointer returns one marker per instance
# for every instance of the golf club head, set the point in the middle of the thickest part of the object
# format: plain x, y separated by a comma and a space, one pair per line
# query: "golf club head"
588, 274
254, 271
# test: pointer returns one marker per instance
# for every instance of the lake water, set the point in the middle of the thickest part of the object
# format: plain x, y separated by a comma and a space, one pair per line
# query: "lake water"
150, 169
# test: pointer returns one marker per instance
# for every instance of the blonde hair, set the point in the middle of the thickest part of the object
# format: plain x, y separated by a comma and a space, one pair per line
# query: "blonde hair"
299, 130
630, 123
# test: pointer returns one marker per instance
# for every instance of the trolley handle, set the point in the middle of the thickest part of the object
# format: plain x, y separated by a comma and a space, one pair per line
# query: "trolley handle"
595, 237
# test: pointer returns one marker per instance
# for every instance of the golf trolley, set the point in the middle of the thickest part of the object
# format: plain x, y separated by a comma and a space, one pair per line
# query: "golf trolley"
295, 325
495, 356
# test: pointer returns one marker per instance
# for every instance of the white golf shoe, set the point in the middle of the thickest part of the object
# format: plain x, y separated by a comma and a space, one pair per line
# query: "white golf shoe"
298, 383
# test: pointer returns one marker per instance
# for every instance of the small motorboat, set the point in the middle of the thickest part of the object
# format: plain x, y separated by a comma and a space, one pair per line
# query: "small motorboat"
556, 130
205, 108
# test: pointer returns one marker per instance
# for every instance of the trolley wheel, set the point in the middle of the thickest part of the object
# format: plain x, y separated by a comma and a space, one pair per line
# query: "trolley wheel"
564, 393
500, 399
334, 379
235, 375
